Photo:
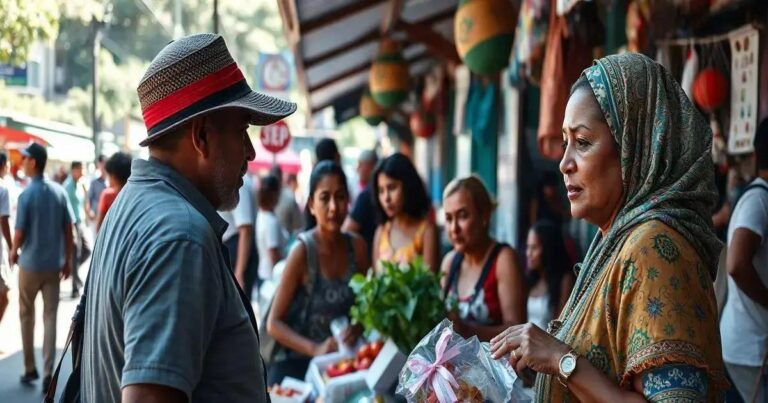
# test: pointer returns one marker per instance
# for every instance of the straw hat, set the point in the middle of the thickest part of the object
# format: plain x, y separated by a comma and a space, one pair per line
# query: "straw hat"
196, 75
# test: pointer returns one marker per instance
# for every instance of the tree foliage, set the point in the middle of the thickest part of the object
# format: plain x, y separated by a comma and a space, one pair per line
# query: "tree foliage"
21, 23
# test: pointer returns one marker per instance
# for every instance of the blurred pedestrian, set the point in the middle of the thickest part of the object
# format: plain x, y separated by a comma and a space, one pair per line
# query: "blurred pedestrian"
97, 185
270, 235
480, 274
118, 168
287, 210
314, 289
239, 238
744, 321
403, 207
362, 219
5, 212
165, 320
326, 150
44, 235
81, 251
547, 204
550, 279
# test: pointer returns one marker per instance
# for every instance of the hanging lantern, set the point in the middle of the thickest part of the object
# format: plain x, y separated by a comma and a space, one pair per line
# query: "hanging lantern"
389, 75
422, 123
372, 112
710, 89
484, 32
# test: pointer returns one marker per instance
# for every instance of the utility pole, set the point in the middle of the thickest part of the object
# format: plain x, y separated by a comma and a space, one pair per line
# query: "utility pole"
96, 34
215, 16
178, 30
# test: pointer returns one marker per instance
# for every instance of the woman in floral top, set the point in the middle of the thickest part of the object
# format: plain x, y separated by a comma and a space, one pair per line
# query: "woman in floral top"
641, 323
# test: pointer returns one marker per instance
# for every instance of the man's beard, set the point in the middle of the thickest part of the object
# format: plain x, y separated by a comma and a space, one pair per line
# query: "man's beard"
228, 196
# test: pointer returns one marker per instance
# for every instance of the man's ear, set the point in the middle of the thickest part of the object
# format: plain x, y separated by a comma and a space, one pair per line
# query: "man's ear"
200, 138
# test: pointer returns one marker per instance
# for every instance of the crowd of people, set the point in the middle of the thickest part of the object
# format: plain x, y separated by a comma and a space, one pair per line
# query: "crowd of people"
191, 239
50, 220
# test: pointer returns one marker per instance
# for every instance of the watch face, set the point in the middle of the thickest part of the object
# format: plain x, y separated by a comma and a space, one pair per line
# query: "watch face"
568, 364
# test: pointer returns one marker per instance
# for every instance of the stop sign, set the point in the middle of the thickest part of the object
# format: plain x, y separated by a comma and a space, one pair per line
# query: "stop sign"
275, 137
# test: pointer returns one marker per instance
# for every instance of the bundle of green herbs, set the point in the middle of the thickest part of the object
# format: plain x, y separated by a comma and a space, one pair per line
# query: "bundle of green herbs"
403, 303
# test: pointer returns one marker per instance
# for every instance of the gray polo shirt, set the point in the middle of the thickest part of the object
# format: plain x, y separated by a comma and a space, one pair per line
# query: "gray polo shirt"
41, 214
161, 308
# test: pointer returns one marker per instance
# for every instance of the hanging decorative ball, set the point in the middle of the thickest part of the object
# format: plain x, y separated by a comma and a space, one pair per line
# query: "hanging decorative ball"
389, 75
710, 89
484, 32
372, 112
422, 123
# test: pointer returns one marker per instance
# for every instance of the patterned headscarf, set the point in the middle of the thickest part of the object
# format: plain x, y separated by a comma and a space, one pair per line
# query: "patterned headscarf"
666, 163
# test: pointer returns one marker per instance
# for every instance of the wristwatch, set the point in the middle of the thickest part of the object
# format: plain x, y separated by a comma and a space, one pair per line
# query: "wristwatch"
567, 366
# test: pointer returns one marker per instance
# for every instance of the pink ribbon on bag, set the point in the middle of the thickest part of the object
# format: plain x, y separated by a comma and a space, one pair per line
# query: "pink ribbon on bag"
436, 373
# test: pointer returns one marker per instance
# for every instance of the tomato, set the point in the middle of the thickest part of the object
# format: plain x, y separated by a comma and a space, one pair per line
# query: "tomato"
376, 347
363, 363
365, 351
340, 368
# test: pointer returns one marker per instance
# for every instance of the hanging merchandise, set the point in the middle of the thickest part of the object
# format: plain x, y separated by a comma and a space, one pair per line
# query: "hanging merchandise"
710, 89
690, 69
482, 102
744, 82
530, 38
372, 112
389, 75
422, 123
484, 32
564, 6
637, 28
565, 58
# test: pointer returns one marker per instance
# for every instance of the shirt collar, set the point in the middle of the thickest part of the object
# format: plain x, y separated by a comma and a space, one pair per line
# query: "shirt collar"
156, 170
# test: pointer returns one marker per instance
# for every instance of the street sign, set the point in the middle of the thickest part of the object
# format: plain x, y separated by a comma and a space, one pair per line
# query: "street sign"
274, 72
275, 137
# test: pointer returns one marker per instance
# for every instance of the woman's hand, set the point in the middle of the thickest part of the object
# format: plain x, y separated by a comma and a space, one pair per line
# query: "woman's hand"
529, 347
326, 347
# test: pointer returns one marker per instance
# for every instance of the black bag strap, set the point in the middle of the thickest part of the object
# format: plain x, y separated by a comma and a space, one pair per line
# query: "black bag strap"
75, 334
248, 308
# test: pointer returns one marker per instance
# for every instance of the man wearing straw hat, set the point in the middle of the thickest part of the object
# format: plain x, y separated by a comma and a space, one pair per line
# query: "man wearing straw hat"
164, 319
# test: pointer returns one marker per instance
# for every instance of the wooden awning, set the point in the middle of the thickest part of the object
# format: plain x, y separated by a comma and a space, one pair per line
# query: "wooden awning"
334, 41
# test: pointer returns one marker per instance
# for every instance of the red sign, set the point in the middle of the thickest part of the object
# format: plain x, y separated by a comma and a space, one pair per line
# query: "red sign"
275, 137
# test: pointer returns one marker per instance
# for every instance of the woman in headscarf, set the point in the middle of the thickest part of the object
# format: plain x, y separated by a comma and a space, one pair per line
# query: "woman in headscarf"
641, 322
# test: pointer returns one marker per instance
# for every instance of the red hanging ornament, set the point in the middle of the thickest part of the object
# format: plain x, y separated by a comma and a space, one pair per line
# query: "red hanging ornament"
710, 89
422, 123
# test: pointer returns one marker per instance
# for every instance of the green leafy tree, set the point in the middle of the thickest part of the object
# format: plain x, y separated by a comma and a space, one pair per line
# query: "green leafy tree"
22, 23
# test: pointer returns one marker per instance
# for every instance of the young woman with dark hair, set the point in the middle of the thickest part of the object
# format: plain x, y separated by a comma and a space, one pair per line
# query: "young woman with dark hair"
403, 208
314, 288
550, 280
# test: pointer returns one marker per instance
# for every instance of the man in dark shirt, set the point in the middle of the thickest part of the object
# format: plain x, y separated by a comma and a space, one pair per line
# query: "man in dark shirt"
164, 319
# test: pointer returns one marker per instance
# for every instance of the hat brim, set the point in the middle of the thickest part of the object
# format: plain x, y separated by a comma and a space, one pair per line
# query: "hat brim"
264, 110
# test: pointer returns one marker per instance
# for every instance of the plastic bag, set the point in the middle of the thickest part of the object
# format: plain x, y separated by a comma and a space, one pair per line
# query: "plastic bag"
444, 367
